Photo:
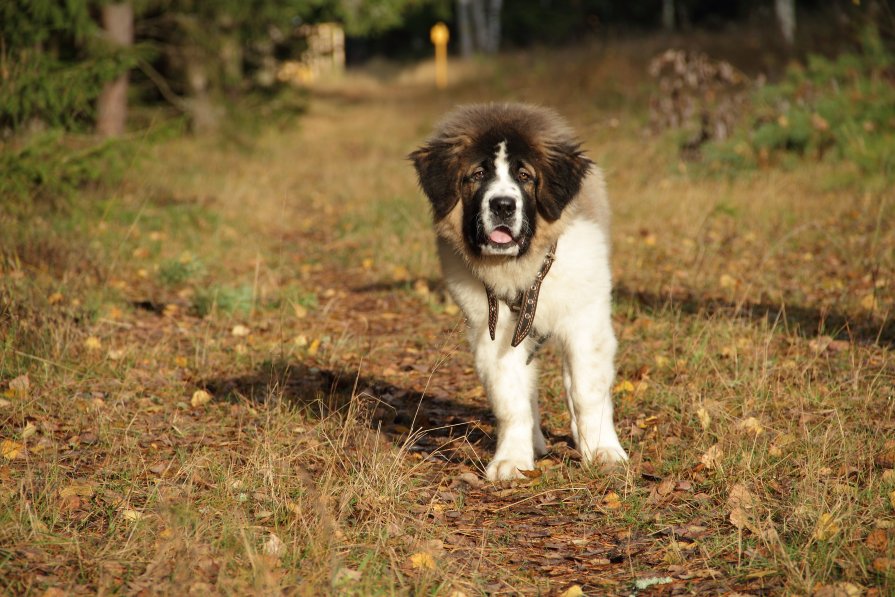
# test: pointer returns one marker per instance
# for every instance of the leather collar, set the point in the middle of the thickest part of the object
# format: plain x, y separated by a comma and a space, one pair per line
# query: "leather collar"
525, 304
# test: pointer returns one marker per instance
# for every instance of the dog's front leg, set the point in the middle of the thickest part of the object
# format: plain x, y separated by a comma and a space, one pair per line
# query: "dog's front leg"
588, 372
511, 387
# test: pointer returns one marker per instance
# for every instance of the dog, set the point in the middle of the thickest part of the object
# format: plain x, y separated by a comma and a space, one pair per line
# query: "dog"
521, 220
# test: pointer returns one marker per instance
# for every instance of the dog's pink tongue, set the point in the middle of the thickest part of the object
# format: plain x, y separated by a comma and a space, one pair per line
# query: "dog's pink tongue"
500, 236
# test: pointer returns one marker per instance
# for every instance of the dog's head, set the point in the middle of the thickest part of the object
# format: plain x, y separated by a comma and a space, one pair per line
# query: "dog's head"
493, 172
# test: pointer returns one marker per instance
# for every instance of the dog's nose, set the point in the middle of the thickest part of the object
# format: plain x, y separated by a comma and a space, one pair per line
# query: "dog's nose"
503, 207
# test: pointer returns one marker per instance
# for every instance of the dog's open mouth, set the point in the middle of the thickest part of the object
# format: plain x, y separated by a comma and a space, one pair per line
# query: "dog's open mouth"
501, 237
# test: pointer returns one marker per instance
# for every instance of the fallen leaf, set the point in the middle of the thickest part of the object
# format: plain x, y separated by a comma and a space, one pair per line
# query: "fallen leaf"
82, 489
400, 273
704, 418
200, 398
471, 479
827, 527
612, 501
29, 430
739, 518
240, 331
839, 589
132, 515
531, 474
712, 457
274, 546
93, 343
54, 592
645, 583
55, 298
883, 565
299, 310
727, 281
868, 303
314, 347
751, 425
573, 591
877, 540
19, 386
422, 561
11, 449
623, 387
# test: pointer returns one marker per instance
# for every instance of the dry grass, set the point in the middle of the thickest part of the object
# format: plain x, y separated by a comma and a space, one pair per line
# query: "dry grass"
294, 282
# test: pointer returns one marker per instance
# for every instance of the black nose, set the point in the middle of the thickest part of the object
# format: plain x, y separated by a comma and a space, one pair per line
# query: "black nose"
503, 207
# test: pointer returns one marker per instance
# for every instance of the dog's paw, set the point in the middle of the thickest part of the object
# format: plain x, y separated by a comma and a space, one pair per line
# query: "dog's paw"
606, 456
506, 469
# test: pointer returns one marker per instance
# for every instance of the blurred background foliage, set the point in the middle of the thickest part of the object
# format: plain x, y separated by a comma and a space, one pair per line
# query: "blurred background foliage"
199, 63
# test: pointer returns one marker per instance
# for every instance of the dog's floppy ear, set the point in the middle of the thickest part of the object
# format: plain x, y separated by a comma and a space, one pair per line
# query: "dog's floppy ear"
438, 176
565, 166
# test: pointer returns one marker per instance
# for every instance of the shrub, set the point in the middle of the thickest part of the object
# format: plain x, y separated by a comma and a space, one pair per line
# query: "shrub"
840, 109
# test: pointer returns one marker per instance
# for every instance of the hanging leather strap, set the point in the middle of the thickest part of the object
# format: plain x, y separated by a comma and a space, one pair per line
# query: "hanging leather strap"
525, 304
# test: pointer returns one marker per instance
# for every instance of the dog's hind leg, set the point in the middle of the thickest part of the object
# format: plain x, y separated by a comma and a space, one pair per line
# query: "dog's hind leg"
588, 374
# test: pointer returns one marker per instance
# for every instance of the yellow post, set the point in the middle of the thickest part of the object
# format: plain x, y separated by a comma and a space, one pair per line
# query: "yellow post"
440, 36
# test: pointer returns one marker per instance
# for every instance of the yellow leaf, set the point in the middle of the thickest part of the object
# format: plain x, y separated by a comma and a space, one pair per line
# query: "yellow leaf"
704, 418
132, 515
314, 347
868, 303
451, 309
367, 263
55, 298
82, 489
29, 430
200, 398
421, 287
274, 546
611, 501
19, 386
10, 449
300, 341
739, 518
623, 387
573, 591
422, 561
827, 527
181, 361
751, 425
240, 331
93, 343
400, 273
727, 281
712, 457
299, 310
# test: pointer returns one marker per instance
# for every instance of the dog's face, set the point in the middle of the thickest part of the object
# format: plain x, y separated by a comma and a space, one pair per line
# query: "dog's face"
494, 173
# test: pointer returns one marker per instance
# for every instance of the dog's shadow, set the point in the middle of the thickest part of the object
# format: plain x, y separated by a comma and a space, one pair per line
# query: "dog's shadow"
438, 426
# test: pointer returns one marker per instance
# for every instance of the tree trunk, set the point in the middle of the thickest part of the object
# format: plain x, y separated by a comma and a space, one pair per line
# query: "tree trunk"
786, 18
465, 28
111, 109
480, 24
494, 26
668, 15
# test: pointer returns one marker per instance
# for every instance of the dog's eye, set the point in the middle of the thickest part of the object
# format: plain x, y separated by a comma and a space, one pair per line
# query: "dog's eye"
524, 175
477, 176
